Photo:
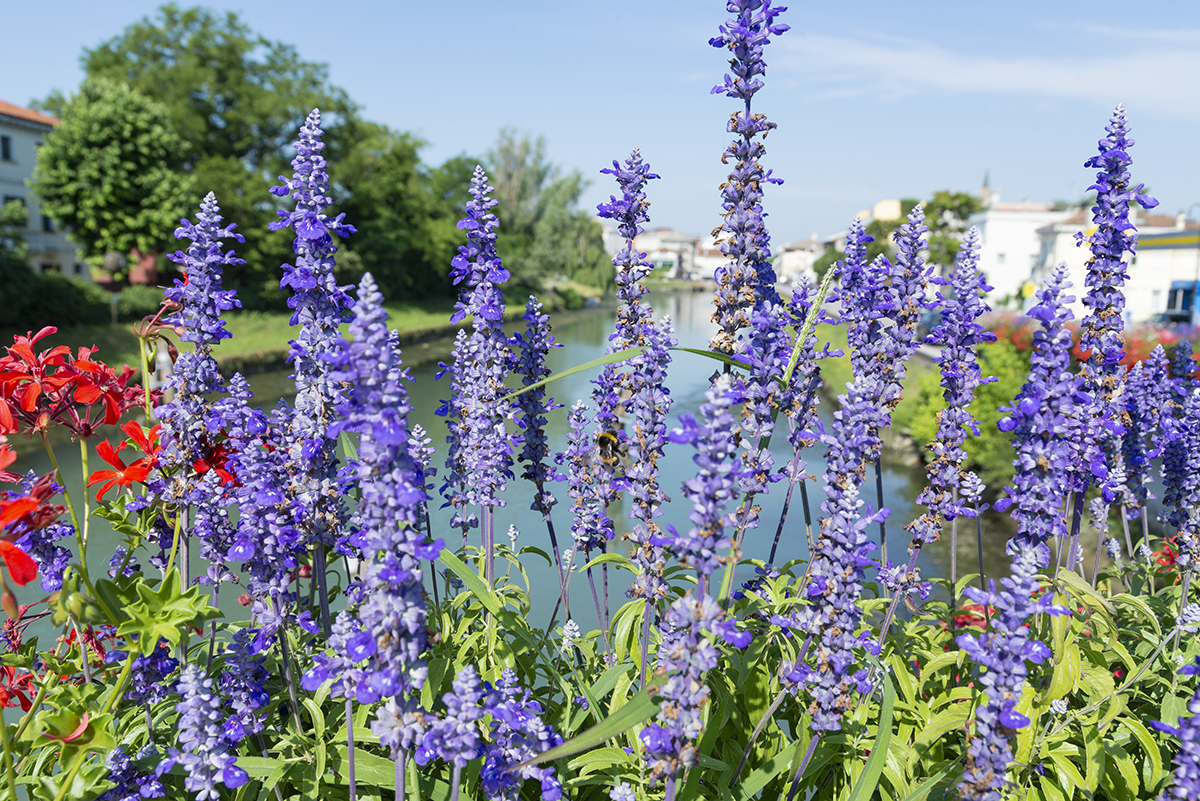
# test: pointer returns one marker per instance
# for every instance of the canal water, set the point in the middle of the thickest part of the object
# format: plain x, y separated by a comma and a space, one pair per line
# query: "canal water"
584, 337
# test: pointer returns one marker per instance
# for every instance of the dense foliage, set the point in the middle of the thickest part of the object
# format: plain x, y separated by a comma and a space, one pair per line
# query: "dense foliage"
230, 98
416, 672
111, 171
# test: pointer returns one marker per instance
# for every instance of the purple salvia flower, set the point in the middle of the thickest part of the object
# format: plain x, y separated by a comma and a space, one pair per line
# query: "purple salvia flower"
907, 290
767, 356
1175, 456
1187, 759
480, 459
802, 396
589, 520
1040, 422
201, 298
1003, 651
630, 211
211, 523
715, 437
192, 423
1101, 330
1145, 398
455, 737
399, 724
149, 677
622, 791
1185, 432
959, 334
243, 683
268, 539
391, 608
632, 325
131, 784
840, 557
685, 655
530, 350
207, 754
651, 404
39, 543
518, 733
319, 306
748, 278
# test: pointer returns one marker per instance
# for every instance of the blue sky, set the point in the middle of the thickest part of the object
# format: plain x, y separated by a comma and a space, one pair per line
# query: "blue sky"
872, 100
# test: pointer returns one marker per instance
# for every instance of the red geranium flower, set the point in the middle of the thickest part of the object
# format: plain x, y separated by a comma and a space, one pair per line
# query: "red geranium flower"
15, 689
124, 475
216, 457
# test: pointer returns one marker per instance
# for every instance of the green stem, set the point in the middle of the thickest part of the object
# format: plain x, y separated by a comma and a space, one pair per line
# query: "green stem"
9, 775
80, 534
145, 378
175, 540
87, 514
65, 494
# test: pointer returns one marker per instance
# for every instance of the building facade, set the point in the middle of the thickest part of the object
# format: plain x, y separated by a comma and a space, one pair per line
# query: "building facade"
1010, 245
21, 132
1163, 272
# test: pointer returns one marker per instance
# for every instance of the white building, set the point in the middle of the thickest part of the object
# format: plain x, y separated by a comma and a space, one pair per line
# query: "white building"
669, 248
21, 132
1168, 253
1010, 243
795, 260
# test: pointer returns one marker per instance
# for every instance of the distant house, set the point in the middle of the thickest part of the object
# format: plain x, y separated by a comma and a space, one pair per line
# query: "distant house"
1168, 254
1010, 243
21, 132
794, 261
669, 248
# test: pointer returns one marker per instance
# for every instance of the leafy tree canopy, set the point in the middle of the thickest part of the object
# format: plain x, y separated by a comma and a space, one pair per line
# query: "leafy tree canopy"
112, 171
542, 232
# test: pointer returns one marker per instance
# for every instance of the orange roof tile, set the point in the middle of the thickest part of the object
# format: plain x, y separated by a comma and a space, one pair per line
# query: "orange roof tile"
26, 114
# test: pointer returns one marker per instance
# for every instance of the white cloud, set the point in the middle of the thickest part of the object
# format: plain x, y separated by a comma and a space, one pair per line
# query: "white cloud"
1163, 77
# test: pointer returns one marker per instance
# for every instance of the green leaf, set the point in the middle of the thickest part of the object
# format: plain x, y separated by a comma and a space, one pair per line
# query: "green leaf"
165, 613
1153, 769
868, 782
473, 582
766, 772
612, 358
924, 788
618, 559
1068, 774
1066, 674
1077, 583
1094, 753
639, 708
717, 357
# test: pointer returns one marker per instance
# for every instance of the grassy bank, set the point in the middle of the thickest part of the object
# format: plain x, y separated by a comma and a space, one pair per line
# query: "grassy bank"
260, 339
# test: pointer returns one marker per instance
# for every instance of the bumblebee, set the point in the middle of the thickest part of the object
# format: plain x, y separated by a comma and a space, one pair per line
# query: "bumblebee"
609, 449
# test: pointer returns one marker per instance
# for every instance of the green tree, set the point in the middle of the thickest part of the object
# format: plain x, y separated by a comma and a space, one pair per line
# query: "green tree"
542, 232
112, 171
946, 215
236, 99
406, 213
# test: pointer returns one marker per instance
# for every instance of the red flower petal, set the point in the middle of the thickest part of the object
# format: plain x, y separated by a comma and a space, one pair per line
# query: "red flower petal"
21, 568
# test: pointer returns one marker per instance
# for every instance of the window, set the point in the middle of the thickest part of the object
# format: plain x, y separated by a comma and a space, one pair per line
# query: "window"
47, 224
50, 267
5, 148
